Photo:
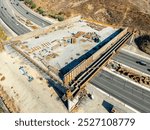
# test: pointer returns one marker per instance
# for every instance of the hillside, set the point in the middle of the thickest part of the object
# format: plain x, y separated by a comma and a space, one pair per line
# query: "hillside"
132, 13
143, 42
127, 13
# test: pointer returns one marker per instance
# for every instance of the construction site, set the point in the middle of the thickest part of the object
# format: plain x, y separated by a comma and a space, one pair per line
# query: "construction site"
70, 53
74, 56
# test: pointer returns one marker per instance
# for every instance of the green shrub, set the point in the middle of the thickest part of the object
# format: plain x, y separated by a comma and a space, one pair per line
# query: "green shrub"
40, 10
28, 2
60, 17
33, 6
55, 15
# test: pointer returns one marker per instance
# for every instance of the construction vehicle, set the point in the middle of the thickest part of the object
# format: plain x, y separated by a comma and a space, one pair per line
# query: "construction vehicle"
23, 72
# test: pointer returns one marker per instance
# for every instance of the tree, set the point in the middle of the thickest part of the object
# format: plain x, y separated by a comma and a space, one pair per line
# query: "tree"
40, 10
60, 17
33, 6
27, 1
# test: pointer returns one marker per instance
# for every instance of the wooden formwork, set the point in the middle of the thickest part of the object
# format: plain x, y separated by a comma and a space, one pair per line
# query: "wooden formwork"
65, 80
109, 44
71, 75
99, 68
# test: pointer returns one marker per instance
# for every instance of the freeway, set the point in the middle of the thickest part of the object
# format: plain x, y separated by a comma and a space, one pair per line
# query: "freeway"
29, 14
130, 60
3, 106
93, 68
10, 21
85, 76
125, 91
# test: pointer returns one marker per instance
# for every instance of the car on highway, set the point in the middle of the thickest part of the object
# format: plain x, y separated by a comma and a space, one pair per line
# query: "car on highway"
43, 24
17, 24
141, 63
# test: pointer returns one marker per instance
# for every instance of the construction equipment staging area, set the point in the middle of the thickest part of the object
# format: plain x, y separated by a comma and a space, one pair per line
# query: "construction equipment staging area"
71, 53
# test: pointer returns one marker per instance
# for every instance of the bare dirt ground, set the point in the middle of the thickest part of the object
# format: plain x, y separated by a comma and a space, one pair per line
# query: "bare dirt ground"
33, 96
22, 96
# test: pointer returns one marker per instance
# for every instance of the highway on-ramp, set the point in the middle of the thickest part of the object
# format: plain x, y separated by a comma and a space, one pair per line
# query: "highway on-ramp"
125, 91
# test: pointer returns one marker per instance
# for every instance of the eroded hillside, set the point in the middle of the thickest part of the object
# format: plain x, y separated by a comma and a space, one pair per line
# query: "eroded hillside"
127, 13
132, 13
